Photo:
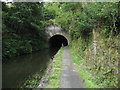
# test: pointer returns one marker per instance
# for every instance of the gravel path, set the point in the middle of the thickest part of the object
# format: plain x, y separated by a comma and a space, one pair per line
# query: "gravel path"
70, 78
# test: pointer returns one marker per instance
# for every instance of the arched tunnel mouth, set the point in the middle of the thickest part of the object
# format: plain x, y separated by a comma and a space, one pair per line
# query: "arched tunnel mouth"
57, 41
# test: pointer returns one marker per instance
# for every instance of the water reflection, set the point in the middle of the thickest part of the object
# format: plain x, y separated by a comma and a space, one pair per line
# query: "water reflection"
18, 68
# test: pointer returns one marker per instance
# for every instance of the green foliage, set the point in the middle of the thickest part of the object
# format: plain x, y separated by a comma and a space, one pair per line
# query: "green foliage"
78, 18
81, 19
23, 14
100, 70
23, 28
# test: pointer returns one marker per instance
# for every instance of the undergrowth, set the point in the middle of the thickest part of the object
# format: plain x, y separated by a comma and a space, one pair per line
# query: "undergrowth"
78, 61
99, 70
55, 76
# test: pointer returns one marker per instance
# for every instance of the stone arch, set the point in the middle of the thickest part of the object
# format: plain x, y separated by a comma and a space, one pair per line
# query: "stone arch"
56, 31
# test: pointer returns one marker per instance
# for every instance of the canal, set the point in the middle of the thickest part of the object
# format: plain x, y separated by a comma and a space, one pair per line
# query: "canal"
17, 69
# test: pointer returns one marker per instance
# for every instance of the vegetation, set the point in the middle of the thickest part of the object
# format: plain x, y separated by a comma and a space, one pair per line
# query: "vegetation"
94, 31
98, 71
82, 18
93, 28
55, 76
85, 75
23, 28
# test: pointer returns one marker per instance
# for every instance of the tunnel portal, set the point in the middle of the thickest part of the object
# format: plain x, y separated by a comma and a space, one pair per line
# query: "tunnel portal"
57, 41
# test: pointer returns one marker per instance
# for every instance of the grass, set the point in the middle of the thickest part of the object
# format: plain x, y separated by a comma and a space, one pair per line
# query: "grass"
86, 76
99, 70
55, 77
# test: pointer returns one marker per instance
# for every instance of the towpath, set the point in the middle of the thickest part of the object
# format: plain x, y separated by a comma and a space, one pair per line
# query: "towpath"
70, 77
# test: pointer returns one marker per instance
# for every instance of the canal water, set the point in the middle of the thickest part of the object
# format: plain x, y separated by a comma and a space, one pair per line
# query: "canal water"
17, 69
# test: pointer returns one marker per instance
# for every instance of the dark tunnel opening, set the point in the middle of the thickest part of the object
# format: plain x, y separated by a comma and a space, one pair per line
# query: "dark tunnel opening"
57, 41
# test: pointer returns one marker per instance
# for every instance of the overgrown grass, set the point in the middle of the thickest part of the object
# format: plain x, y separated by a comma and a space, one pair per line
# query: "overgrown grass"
55, 77
99, 70
85, 75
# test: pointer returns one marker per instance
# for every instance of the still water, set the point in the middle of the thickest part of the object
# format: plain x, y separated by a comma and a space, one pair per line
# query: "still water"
18, 68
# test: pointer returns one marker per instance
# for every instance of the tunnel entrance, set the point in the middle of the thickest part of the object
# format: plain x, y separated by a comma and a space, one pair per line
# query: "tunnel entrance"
57, 41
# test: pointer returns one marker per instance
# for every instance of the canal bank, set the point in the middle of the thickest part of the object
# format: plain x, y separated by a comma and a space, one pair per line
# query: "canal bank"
52, 76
